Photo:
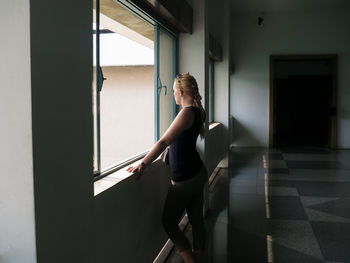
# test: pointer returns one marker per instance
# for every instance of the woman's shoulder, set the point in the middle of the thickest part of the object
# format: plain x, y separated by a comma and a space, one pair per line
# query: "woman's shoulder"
189, 111
189, 114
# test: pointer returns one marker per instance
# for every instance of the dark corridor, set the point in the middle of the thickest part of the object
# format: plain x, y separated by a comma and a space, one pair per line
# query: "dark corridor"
303, 105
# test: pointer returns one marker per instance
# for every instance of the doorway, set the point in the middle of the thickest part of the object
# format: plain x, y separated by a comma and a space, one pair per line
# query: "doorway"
303, 101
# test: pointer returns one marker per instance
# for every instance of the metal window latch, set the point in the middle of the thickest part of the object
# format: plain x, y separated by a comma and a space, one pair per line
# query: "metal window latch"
100, 79
160, 87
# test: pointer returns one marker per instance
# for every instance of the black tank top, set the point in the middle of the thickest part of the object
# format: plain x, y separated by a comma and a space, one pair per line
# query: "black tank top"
184, 159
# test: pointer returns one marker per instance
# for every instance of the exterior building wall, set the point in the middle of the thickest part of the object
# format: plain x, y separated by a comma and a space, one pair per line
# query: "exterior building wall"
127, 113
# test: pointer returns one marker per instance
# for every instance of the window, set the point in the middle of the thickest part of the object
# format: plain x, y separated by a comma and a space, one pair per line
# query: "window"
134, 67
166, 71
211, 91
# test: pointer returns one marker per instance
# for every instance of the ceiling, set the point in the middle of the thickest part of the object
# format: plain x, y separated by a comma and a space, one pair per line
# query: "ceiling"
270, 6
114, 11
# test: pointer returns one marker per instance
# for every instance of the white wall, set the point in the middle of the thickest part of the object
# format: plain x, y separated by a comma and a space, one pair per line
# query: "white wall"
193, 57
61, 72
282, 33
218, 138
17, 224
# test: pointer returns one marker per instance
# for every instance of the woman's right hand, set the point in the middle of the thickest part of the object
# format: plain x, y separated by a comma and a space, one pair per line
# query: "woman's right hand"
136, 170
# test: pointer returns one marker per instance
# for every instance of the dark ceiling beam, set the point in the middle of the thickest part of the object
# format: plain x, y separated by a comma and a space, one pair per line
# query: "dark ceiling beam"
176, 14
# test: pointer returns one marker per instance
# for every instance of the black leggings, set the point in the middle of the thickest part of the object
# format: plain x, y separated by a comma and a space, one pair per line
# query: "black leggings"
186, 196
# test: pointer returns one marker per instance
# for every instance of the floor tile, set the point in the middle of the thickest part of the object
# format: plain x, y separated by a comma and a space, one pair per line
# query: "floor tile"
282, 254
314, 165
314, 215
275, 156
219, 258
296, 235
283, 191
278, 171
315, 188
325, 175
303, 150
308, 157
243, 187
286, 207
308, 201
247, 213
339, 207
249, 163
277, 164
219, 238
243, 172
246, 247
334, 240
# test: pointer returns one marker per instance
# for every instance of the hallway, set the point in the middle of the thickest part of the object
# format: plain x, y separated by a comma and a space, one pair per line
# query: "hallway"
290, 205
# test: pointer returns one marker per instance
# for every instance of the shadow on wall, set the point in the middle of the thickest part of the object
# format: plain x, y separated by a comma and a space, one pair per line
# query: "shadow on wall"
240, 136
128, 217
217, 146
344, 113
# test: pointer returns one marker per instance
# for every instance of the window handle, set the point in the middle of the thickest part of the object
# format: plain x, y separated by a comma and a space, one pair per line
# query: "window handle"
100, 79
160, 87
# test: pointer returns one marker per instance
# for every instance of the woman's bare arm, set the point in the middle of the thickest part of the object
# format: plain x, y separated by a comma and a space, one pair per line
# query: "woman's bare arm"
182, 122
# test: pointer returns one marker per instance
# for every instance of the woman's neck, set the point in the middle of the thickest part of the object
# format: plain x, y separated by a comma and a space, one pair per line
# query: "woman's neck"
187, 103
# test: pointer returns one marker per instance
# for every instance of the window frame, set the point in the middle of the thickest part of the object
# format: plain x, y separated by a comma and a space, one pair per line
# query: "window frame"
98, 174
211, 90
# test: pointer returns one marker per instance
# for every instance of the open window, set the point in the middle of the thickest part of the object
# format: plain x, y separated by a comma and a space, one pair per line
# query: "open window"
134, 68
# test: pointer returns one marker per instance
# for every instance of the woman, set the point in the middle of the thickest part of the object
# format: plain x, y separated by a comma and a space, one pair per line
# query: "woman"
188, 174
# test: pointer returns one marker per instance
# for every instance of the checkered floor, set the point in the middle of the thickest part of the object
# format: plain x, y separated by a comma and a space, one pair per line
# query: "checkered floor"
290, 205
309, 198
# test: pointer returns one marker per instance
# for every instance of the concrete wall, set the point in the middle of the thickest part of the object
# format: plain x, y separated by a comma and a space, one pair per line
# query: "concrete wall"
61, 67
127, 113
283, 33
17, 224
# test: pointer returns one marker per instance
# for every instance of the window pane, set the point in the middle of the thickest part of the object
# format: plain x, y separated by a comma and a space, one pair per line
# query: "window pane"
166, 75
127, 97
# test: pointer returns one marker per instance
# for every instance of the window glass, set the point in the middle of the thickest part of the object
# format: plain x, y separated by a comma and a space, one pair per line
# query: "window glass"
126, 100
166, 80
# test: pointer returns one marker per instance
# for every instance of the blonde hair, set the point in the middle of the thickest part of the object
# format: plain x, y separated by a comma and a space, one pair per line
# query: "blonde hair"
188, 85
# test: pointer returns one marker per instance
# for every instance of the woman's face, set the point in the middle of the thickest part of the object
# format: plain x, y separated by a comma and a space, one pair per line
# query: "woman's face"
177, 94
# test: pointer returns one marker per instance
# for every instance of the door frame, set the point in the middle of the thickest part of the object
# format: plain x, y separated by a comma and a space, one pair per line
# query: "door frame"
332, 139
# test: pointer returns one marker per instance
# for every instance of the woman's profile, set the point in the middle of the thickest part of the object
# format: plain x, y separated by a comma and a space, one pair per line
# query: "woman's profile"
188, 173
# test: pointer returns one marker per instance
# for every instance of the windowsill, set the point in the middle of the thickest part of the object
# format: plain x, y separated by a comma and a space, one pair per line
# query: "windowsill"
113, 178
213, 125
